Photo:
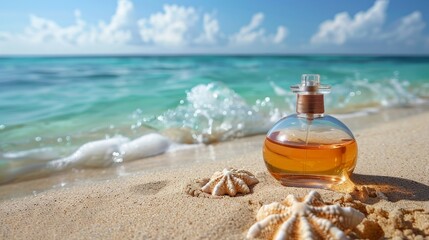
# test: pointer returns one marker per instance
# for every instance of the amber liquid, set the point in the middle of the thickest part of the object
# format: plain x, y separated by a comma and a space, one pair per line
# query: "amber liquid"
308, 164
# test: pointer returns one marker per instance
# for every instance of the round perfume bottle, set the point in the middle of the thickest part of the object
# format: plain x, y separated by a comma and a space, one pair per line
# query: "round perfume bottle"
310, 149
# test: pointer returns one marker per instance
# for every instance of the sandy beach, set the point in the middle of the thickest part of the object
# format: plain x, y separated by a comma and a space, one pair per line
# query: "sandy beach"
391, 174
214, 120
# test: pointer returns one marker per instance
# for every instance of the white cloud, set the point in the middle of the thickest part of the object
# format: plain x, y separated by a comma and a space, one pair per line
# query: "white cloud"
253, 33
42, 30
368, 27
280, 35
180, 28
45, 30
5, 36
409, 30
343, 28
169, 28
211, 30
117, 31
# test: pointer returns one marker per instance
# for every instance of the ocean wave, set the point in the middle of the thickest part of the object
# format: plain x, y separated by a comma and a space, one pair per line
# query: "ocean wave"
210, 113
213, 113
95, 154
362, 96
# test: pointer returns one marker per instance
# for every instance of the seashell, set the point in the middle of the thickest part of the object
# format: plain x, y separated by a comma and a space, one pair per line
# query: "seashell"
230, 181
307, 219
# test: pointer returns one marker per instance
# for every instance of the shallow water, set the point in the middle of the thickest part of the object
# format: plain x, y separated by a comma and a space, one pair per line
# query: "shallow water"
49, 107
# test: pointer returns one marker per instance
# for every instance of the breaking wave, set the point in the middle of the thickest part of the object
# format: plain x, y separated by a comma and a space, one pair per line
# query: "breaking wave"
214, 113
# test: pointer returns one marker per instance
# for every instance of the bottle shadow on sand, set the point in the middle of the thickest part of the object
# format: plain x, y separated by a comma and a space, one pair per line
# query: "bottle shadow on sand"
394, 188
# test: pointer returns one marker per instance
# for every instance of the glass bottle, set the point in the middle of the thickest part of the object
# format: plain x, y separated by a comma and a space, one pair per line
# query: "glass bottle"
309, 148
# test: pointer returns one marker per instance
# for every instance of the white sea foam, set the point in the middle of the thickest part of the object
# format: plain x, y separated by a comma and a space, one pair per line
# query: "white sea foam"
101, 153
361, 96
212, 113
149, 145
36, 154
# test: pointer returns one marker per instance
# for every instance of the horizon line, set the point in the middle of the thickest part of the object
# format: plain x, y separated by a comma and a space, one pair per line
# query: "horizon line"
215, 55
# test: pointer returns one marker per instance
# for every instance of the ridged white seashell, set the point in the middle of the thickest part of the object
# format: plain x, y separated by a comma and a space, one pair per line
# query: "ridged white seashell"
307, 219
230, 181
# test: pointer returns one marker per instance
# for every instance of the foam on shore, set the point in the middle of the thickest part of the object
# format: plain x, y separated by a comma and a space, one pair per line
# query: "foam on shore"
101, 153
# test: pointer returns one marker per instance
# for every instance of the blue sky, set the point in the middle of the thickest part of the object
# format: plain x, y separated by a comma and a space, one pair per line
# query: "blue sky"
239, 26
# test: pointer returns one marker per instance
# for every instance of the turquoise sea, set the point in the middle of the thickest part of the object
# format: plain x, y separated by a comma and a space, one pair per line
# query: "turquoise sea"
52, 106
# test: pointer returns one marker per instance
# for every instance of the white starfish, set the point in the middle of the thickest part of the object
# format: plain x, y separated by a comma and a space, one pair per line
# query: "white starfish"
307, 219
230, 181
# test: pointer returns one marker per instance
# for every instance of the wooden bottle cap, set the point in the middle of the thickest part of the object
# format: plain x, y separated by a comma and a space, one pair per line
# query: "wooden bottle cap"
310, 103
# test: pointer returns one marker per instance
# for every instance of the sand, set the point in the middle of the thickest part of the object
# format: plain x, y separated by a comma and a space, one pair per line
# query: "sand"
392, 175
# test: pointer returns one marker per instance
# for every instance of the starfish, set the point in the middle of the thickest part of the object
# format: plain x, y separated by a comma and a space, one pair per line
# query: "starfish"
230, 181
307, 219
